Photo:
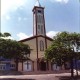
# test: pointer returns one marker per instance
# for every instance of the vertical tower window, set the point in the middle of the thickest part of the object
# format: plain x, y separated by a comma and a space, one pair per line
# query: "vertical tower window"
41, 45
38, 29
42, 19
39, 19
42, 30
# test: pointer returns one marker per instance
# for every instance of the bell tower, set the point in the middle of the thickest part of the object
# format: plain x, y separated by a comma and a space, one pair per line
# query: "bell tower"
38, 20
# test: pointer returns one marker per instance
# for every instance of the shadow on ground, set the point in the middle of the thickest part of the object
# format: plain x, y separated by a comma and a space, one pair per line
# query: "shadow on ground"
16, 79
68, 78
10, 73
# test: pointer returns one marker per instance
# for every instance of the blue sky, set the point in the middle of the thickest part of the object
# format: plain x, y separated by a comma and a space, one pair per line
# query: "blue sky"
60, 15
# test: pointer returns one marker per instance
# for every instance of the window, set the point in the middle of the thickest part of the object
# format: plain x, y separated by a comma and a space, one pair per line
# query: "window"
41, 45
42, 19
2, 67
38, 29
39, 11
42, 30
12, 65
38, 18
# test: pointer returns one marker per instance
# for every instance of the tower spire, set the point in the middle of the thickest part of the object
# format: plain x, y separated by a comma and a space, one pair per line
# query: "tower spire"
38, 3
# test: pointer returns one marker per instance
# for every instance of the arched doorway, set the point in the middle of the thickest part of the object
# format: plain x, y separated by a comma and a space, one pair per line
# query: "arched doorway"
43, 66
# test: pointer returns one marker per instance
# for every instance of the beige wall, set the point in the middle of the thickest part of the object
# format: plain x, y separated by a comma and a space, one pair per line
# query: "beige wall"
32, 44
19, 66
41, 53
12, 62
39, 39
49, 43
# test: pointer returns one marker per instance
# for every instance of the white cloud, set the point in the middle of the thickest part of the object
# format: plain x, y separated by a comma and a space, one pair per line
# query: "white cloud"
23, 35
10, 5
60, 1
8, 37
51, 33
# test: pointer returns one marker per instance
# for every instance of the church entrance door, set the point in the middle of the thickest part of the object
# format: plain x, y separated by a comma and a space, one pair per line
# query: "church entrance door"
43, 66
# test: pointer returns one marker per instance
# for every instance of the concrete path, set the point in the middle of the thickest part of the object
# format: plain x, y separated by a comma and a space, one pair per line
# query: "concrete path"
34, 77
55, 76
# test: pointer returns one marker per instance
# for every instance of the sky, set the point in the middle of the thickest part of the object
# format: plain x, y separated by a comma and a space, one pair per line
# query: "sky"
60, 15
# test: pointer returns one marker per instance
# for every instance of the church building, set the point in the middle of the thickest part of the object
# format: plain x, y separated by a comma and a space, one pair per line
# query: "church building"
39, 42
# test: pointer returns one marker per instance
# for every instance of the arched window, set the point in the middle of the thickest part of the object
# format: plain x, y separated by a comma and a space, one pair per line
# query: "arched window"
41, 45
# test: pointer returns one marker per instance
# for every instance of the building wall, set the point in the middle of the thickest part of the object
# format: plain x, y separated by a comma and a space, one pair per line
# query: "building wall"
20, 66
41, 53
48, 42
32, 44
7, 65
33, 56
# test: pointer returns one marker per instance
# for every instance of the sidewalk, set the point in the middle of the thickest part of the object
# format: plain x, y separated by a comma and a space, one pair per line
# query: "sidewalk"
32, 77
32, 73
61, 76
50, 76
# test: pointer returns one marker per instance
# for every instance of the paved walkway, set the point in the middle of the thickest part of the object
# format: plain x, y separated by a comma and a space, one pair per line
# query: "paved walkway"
34, 77
60, 76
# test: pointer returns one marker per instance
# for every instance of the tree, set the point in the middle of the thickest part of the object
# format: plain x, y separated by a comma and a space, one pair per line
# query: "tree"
62, 48
5, 34
0, 34
11, 49
2, 40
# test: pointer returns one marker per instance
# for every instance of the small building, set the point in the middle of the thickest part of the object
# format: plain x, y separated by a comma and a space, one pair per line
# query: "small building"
7, 64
